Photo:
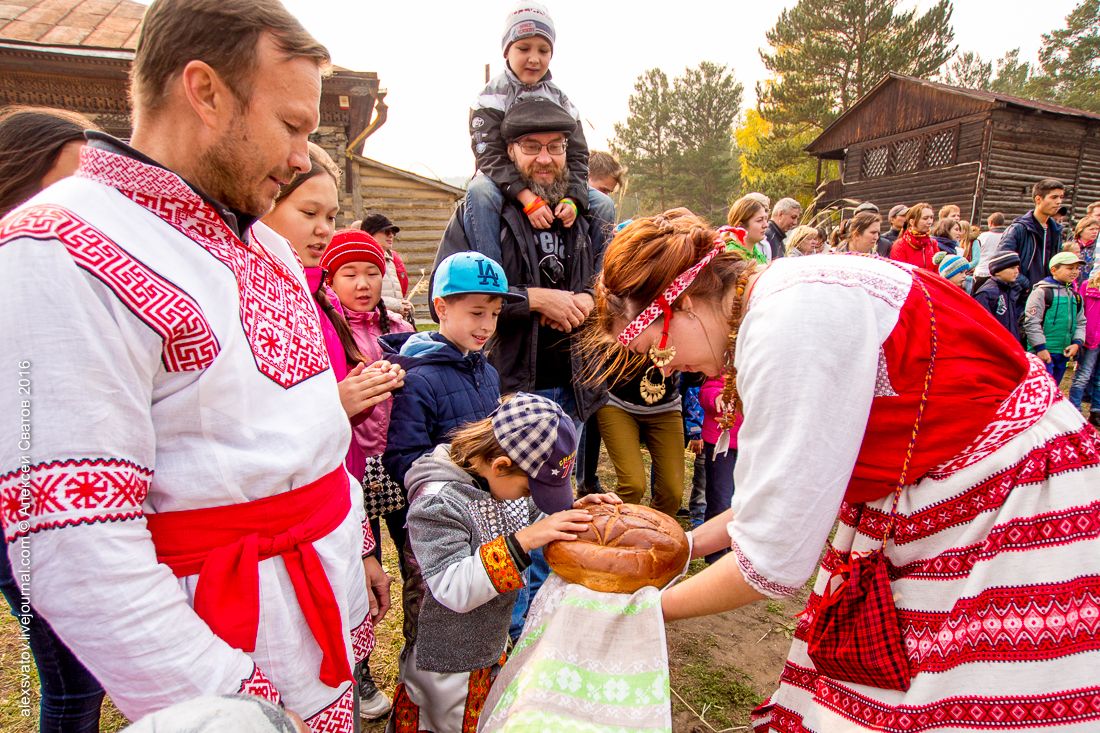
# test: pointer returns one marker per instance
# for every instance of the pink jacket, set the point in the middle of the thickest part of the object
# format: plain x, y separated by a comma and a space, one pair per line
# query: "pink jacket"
1091, 299
708, 393
355, 461
371, 433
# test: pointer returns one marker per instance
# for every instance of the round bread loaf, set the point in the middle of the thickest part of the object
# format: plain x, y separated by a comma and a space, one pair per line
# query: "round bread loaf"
626, 547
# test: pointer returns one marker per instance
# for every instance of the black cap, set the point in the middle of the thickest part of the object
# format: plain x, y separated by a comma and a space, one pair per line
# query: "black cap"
530, 115
374, 223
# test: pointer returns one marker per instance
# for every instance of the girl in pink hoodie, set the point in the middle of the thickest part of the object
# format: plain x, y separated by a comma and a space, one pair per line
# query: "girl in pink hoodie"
719, 469
1086, 380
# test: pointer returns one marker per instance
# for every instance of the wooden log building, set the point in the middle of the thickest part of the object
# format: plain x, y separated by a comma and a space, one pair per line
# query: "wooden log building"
910, 140
76, 55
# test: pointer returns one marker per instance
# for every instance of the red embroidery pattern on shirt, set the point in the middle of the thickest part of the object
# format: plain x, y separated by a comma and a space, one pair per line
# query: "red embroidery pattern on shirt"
1002, 713
1005, 624
758, 581
71, 492
1020, 410
1018, 535
258, 685
503, 573
362, 640
189, 343
276, 312
368, 537
336, 718
1072, 452
1016, 624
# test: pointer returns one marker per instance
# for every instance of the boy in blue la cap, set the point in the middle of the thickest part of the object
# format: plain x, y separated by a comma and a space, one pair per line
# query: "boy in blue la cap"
448, 381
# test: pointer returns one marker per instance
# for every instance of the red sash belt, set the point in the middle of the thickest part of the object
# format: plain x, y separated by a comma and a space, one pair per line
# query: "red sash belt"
224, 545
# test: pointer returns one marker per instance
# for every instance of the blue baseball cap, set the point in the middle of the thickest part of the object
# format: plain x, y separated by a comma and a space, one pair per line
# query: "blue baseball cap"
471, 273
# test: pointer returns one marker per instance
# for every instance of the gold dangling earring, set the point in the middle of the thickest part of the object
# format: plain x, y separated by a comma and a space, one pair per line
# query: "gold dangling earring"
662, 356
651, 391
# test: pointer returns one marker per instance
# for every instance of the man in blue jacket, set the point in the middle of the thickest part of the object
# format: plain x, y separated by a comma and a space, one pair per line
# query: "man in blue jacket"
1036, 236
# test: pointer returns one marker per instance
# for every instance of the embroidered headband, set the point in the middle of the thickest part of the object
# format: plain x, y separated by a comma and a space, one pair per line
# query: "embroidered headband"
664, 301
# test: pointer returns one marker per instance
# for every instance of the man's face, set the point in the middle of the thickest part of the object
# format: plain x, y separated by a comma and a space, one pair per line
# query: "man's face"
605, 185
543, 170
1009, 274
263, 145
787, 219
898, 221
1049, 204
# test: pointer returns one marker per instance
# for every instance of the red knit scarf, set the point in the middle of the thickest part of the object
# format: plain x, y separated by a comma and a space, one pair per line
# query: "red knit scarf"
916, 241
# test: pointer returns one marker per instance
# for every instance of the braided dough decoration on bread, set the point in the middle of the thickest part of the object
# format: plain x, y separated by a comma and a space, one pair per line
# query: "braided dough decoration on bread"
626, 547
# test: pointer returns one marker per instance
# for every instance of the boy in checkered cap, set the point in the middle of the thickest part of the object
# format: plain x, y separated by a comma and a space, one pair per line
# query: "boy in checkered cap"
477, 506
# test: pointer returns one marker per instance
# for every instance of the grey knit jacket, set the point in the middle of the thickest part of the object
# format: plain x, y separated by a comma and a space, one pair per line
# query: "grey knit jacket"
462, 623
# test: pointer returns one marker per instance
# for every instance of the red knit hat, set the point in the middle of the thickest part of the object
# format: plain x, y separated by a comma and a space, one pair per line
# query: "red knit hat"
351, 245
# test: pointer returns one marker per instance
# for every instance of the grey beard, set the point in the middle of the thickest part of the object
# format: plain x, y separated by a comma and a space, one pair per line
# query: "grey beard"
551, 194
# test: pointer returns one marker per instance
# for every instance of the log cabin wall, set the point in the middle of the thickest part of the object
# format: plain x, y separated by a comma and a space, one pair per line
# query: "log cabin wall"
911, 139
1026, 147
939, 164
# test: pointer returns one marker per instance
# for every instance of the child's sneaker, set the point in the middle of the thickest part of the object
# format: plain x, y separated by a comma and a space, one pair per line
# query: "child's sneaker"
373, 703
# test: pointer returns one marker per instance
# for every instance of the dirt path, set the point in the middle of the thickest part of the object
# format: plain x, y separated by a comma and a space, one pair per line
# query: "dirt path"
723, 666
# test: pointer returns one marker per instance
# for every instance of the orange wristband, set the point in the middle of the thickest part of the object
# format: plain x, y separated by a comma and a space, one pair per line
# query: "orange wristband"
537, 203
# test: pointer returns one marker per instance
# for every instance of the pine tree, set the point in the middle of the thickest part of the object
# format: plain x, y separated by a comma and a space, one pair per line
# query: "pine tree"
968, 70
646, 143
677, 143
825, 55
707, 99
1070, 58
1014, 76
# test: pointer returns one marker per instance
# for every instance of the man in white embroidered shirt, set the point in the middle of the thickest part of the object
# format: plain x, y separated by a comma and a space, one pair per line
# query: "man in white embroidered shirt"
191, 528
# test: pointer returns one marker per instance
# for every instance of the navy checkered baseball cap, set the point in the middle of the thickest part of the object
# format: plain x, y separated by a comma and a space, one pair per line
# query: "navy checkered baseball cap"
541, 440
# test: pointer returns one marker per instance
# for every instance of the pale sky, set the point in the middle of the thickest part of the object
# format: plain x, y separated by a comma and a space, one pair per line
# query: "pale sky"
431, 55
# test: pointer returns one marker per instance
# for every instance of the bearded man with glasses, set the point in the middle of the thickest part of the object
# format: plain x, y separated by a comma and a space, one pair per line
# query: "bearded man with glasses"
546, 252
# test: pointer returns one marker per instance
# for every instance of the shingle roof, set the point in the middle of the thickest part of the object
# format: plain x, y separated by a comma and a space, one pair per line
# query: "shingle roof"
90, 23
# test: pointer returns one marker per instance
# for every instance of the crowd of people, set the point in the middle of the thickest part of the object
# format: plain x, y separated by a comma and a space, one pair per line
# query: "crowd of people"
224, 397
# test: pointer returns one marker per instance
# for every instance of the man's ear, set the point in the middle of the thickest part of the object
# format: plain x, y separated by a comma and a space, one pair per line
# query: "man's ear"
207, 94
501, 466
511, 156
440, 305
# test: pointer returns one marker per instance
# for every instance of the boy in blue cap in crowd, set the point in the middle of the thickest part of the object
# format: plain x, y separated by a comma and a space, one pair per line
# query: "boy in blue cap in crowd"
448, 381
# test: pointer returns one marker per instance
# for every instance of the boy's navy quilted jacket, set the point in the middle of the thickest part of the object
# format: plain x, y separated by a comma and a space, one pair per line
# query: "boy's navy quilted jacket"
443, 390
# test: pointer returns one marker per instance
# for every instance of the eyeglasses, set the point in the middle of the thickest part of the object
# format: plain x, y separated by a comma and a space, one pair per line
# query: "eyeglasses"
552, 269
531, 147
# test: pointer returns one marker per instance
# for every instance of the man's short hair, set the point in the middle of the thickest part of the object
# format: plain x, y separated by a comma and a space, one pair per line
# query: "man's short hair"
222, 33
946, 211
1045, 186
996, 219
604, 165
1091, 208
782, 206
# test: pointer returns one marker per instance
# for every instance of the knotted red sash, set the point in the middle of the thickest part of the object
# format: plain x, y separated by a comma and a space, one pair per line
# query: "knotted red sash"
224, 546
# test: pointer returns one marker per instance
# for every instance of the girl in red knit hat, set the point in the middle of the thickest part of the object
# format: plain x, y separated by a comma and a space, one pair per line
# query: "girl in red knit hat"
354, 265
